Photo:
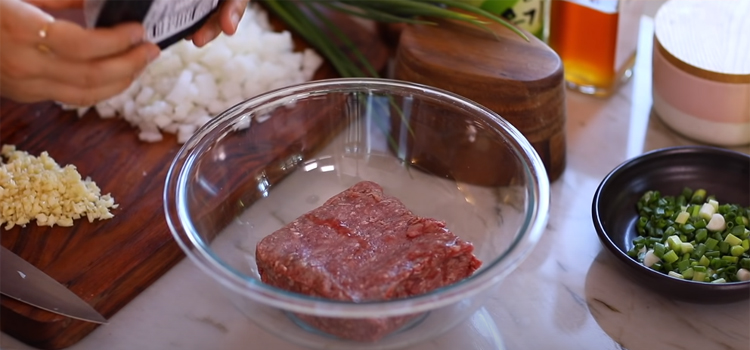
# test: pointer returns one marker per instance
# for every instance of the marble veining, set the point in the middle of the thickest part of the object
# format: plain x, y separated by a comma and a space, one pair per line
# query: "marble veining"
570, 294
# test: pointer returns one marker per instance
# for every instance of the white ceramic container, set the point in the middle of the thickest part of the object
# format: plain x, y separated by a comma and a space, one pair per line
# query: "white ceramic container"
701, 69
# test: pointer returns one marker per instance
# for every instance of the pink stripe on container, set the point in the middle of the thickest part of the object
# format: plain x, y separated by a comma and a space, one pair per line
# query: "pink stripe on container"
702, 98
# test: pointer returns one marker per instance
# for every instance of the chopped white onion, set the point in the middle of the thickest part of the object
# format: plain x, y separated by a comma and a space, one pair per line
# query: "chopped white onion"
187, 86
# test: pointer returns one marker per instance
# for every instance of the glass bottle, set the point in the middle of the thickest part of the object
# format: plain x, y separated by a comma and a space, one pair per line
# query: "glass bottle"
597, 41
530, 15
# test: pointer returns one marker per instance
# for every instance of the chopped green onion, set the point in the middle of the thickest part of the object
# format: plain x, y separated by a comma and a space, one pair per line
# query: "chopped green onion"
699, 250
670, 256
659, 249
701, 235
633, 252
695, 211
730, 258
724, 247
683, 265
700, 224
676, 275
692, 236
732, 240
711, 243
699, 196
687, 193
686, 247
717, 263
699, 276
674, 243
682, 217
670, 231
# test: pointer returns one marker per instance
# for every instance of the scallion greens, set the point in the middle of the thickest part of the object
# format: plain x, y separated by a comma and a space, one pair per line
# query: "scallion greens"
693, 236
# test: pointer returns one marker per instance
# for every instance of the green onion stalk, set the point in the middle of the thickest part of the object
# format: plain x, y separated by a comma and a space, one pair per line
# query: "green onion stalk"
305, 18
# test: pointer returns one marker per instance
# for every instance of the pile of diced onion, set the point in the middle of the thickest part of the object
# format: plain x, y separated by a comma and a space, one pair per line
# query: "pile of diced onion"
187, 86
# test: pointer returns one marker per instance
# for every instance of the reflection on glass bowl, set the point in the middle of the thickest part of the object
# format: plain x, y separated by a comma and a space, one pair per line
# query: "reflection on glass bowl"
234, 183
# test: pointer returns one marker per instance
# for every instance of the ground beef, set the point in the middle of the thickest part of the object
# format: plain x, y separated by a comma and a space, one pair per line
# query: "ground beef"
363, 245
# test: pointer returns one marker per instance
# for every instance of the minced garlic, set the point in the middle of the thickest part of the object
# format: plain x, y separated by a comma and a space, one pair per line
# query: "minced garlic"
37, 188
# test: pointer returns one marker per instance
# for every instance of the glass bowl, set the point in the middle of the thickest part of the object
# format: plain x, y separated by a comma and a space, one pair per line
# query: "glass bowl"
272, 158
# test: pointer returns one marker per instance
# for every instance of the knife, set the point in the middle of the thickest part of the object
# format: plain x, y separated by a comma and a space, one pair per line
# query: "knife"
22, 281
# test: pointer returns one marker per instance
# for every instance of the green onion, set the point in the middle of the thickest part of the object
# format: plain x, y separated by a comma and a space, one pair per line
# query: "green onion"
701, 235
659, 250
683, 265
711, 243
674, 243
305, 19
695, 236
698, 197
682, 217
736, 251
699, 276
670, 256
695, 211
729, 258
724, 247
732, 240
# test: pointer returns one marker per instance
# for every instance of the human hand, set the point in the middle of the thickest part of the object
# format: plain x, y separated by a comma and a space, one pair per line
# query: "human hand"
224, 20
47, 59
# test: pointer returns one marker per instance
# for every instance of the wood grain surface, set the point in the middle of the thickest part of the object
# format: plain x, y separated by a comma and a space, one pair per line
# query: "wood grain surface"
108, 263
520, 80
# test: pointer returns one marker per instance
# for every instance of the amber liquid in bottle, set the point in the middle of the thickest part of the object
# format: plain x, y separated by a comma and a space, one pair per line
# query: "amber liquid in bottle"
585, 38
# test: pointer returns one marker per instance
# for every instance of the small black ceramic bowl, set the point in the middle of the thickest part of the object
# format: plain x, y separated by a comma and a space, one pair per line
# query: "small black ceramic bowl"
721, 172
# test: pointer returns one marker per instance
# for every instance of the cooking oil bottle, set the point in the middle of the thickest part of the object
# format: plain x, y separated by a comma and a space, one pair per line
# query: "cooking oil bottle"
597, 41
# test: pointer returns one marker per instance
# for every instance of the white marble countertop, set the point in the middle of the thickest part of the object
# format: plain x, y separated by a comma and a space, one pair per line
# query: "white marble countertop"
567, 295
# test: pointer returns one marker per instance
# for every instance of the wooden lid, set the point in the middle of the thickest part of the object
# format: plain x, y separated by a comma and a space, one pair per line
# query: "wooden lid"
706, 38
520, 80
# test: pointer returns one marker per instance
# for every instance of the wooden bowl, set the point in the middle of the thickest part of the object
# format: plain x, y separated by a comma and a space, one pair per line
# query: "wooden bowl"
520, 80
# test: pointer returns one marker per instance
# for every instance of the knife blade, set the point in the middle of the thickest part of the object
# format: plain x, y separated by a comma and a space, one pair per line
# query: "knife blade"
23, 281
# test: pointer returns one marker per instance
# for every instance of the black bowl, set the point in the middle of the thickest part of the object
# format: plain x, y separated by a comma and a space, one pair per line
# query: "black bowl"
719, 171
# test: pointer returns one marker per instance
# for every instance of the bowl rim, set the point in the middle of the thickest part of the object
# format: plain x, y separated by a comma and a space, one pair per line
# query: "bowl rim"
605, 237
198, 251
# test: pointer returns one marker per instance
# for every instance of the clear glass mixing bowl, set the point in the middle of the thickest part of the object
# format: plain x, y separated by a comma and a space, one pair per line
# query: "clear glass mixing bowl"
272, 158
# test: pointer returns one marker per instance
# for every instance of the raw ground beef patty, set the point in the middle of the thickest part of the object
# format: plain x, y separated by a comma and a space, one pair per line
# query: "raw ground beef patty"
363, 245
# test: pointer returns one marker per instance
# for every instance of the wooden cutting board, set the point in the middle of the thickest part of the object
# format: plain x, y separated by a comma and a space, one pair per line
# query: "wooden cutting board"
108, 263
